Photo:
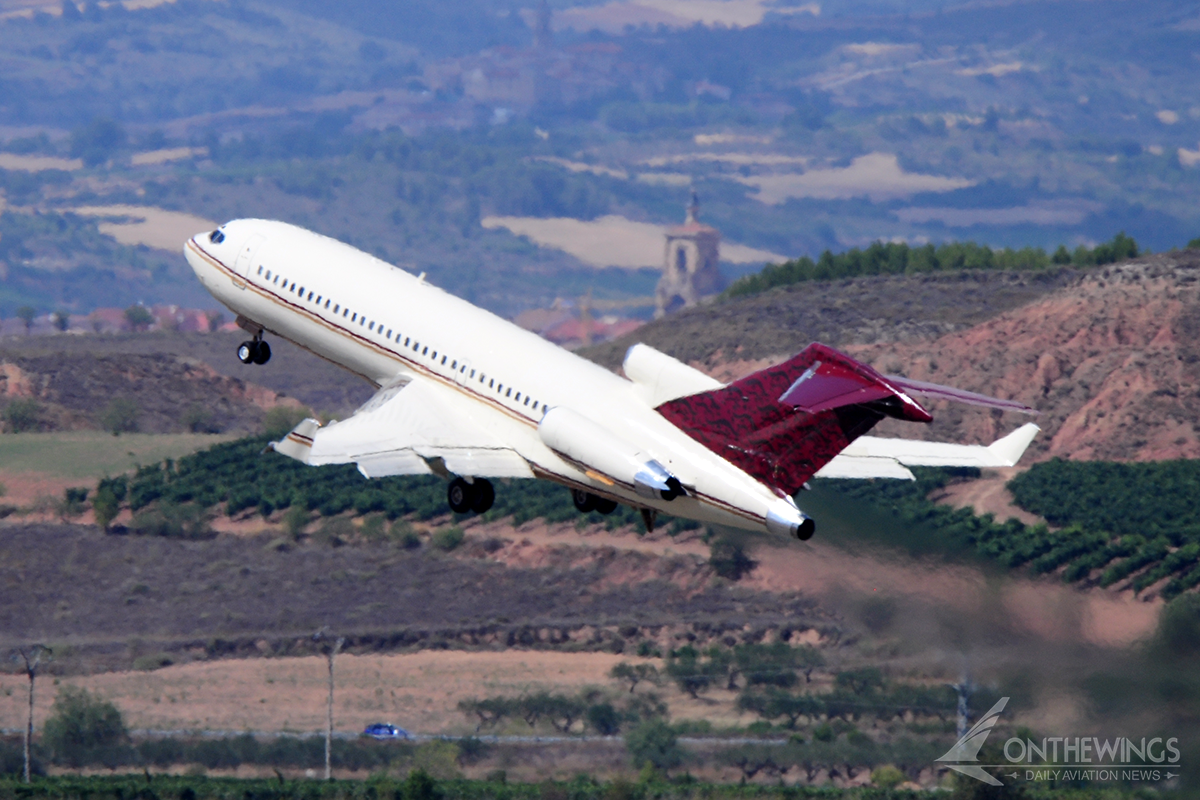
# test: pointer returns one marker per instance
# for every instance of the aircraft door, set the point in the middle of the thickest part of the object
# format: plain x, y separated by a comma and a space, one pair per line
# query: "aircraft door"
246, 257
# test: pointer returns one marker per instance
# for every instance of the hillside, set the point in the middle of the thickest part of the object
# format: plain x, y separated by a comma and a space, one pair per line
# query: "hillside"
1110, 357
1112, 362
839, 313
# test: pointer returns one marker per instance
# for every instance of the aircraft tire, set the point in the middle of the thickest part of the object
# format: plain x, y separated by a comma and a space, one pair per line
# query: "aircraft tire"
483, 496
262, 353
246, 352
584, 501
459, 496
605, 506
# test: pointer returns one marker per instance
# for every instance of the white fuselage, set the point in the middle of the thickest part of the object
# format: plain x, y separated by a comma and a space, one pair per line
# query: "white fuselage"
380, 322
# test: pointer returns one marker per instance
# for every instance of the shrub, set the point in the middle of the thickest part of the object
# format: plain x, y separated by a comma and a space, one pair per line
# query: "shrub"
81, 723
199, 419
729, 560
152, 662
448, 539
183, 521
887, 777
119, 416
22, 415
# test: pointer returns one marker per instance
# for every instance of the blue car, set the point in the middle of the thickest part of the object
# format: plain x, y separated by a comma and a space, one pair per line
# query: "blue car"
382, 730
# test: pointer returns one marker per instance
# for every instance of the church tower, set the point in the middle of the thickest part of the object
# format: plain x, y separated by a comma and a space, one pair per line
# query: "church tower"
690, 269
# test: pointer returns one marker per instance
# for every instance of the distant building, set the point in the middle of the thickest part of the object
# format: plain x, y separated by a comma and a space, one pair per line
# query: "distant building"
690, 269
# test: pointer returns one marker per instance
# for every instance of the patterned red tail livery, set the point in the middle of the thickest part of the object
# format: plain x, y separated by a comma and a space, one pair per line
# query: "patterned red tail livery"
784, 423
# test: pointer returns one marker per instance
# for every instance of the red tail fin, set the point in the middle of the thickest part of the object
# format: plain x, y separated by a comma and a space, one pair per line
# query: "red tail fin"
784, 423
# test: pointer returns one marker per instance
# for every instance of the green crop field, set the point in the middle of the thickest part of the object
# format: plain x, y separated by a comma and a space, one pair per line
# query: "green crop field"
94, 454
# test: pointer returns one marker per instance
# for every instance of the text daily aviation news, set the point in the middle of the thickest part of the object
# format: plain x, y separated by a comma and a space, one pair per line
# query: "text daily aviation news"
470, 396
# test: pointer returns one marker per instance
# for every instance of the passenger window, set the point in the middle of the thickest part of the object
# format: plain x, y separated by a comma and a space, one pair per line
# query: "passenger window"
492, 383
416, 347
389, 333
260, 269
371, 327
526, 399
406, 342
293, 287
472, 372
509, 392
518, 397
310, 294
444, 361
346, 312
454, 365
276, 281
434, 356
268, 274
425, 352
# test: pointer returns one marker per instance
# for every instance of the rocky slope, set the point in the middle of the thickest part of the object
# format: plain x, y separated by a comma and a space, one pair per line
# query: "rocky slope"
170, 393
1111, 359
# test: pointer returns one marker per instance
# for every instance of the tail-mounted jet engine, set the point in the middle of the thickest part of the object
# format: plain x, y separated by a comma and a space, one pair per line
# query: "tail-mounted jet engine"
603, 456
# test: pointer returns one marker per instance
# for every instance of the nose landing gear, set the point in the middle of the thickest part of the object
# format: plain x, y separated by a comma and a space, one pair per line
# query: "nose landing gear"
255, 351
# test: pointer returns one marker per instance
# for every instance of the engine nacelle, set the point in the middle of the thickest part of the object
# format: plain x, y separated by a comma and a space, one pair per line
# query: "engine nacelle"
596, 449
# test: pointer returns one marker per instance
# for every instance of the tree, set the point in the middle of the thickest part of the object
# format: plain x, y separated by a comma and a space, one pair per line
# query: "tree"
138, 318
635, 674
654, 742
81, 723
119, 416
695, 674
605, 719
27, 314
62, 320
280, 420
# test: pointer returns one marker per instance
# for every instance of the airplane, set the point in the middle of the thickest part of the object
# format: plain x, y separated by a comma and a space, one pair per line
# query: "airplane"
469, 396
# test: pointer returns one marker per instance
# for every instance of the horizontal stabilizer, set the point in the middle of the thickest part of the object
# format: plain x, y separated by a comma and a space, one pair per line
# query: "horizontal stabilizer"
873, 457
939, 392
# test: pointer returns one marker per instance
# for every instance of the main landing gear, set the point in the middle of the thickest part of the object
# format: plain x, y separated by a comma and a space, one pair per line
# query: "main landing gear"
476, 496
255, 351
586, 501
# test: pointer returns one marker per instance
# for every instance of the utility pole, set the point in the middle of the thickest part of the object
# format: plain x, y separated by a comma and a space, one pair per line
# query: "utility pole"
963, 688
32, 656
331, 652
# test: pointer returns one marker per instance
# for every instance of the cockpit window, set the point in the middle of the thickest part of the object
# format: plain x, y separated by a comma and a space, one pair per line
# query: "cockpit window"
217, 236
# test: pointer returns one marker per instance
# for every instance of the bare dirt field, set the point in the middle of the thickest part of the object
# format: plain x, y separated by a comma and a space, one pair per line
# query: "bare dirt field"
878, 176
153, 227
613, 241
417, 691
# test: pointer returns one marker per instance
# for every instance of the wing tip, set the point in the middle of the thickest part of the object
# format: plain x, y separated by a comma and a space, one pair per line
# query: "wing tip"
1010, 448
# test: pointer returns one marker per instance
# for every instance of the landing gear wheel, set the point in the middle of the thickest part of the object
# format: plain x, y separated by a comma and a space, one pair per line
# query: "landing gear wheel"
605, 506
483, 496
246, 352
584, 501
459, 496
263, 353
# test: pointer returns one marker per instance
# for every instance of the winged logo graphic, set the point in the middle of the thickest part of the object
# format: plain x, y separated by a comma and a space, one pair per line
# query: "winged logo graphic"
967, 748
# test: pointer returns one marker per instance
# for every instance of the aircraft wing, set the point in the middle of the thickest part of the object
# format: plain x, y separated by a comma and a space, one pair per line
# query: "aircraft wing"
873, 457
409, 427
